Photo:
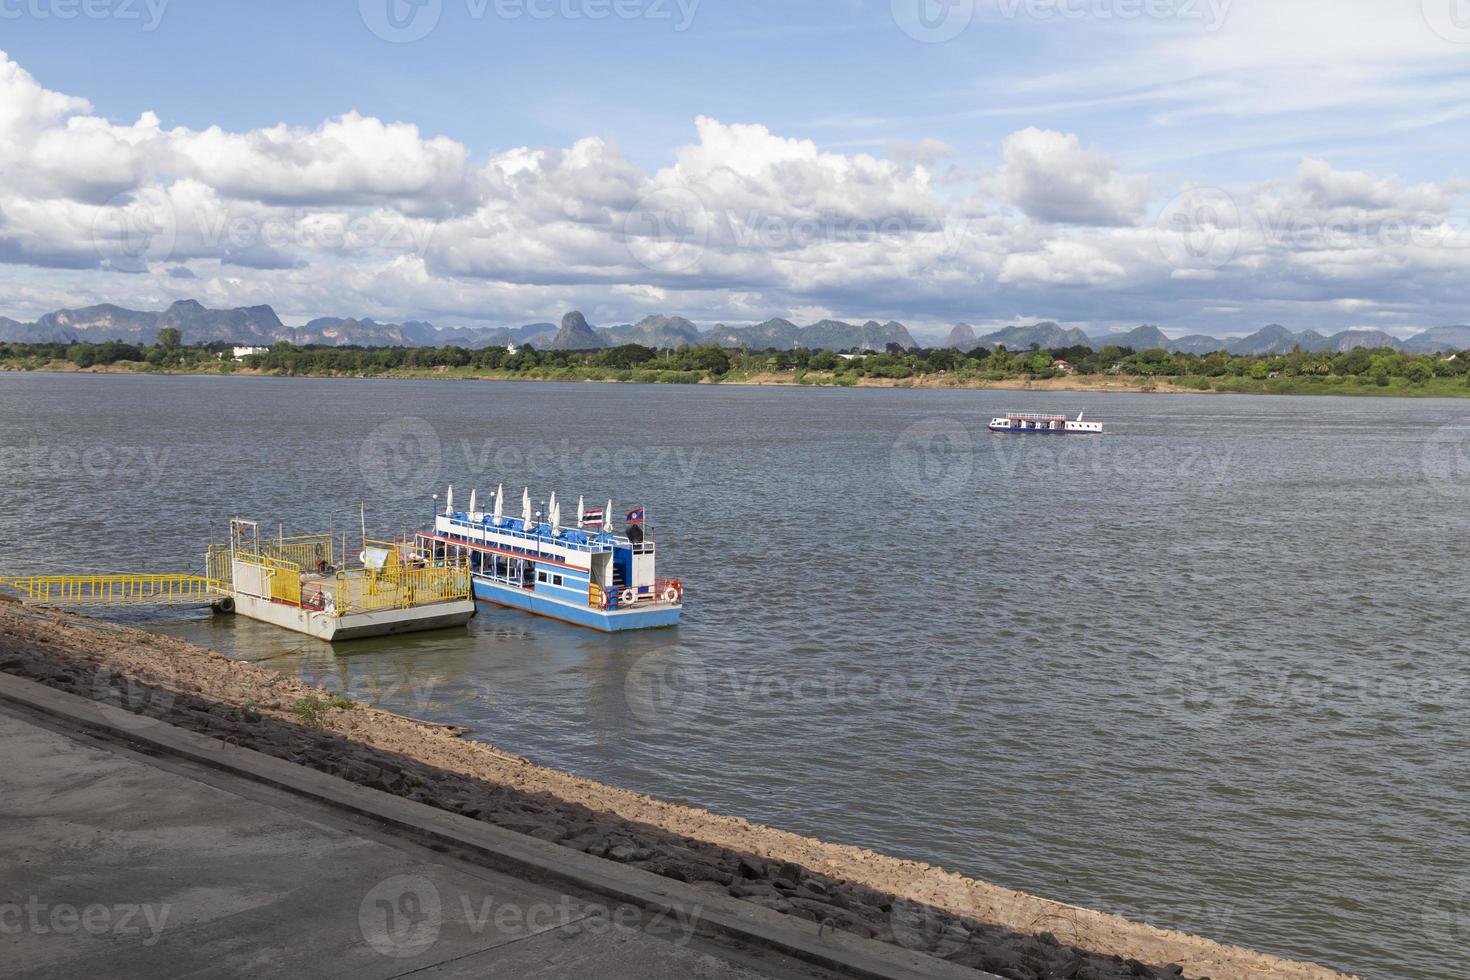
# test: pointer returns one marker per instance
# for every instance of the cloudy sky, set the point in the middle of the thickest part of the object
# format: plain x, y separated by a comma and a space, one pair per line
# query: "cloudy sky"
1209, 166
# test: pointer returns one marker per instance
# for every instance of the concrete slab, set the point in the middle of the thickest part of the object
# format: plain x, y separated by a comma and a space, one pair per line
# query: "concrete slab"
113, 865
403, 915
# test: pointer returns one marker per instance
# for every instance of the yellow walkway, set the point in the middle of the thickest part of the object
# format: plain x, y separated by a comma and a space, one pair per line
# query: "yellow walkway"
115, 590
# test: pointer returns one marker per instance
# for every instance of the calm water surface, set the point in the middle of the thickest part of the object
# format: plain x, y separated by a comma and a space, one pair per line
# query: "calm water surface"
1207, 670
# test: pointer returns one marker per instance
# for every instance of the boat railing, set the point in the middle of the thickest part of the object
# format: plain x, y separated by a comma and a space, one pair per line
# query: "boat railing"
400, 587
663, 592
538, 537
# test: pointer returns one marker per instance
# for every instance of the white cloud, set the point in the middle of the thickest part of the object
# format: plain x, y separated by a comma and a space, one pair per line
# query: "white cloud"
365, 217
1052, 178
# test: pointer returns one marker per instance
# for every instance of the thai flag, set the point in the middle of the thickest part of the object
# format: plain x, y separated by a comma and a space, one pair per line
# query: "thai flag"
592, 518
635, 516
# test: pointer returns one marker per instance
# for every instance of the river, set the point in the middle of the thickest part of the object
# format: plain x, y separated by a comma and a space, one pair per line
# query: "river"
1206, 670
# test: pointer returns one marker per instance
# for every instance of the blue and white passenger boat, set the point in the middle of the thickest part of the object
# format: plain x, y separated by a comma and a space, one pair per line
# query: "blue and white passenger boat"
1057, 425
583, 574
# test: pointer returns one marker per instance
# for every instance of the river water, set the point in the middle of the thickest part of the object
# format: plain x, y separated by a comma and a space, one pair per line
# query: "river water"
1207, 670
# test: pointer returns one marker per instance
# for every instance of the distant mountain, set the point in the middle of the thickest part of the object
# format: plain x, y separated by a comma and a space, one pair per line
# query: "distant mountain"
199, 324
1139, 338
655, 331
339, 332
962, 337
1436, 340
1047, 335
575, 334
1196, 344
837, 335
1271, 339
777, 333
1341, 343
94, 324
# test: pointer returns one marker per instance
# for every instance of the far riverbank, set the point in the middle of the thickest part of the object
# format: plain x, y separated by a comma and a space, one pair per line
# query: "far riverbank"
1392, 387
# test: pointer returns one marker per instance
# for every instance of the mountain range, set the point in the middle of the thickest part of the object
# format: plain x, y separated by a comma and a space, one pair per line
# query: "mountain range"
260, 325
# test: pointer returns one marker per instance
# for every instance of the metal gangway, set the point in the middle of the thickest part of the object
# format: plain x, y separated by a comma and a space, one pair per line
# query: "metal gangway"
115, 590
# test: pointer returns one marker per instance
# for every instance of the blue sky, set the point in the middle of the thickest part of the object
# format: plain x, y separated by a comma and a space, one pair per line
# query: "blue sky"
1051, 140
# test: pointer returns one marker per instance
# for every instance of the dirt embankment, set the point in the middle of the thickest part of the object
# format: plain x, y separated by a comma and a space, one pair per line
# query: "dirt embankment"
904, 902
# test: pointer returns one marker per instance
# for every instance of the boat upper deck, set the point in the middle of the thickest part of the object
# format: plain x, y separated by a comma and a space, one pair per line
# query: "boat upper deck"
536, 536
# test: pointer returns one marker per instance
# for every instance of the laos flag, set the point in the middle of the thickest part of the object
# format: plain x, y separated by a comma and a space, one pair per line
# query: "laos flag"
635, 516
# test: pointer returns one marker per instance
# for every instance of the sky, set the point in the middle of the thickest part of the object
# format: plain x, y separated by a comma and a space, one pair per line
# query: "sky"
1207, 166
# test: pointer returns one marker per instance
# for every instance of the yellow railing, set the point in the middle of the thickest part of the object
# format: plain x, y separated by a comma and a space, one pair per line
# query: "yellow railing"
366, 590
307, 552
115, 590
284, 577
218, 565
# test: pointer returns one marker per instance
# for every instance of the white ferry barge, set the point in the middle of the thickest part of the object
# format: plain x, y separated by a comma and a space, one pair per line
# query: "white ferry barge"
1045, 424
583, 574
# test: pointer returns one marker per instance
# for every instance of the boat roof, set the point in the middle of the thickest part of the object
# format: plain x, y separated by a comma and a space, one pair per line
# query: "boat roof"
540, 531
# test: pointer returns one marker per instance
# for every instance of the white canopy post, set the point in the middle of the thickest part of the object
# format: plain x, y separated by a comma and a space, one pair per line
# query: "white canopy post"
526, 506
499, 496
607, 519
449, 502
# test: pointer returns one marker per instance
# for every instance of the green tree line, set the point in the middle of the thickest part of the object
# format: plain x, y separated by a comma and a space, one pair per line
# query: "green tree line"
632, 362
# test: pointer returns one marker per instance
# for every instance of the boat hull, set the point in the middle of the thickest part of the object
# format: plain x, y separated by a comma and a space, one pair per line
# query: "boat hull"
1007, 430
605, 620
355, 626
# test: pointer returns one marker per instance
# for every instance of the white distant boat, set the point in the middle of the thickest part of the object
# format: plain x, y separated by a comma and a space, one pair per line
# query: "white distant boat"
1057, 425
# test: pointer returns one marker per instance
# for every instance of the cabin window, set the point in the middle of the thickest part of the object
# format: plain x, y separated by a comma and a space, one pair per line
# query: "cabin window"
556, 580
541, 576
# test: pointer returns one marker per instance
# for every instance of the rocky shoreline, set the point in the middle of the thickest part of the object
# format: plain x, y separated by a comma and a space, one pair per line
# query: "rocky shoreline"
1017, 936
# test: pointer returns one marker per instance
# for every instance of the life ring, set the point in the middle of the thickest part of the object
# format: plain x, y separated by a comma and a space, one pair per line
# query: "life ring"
671, 594
627, 598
